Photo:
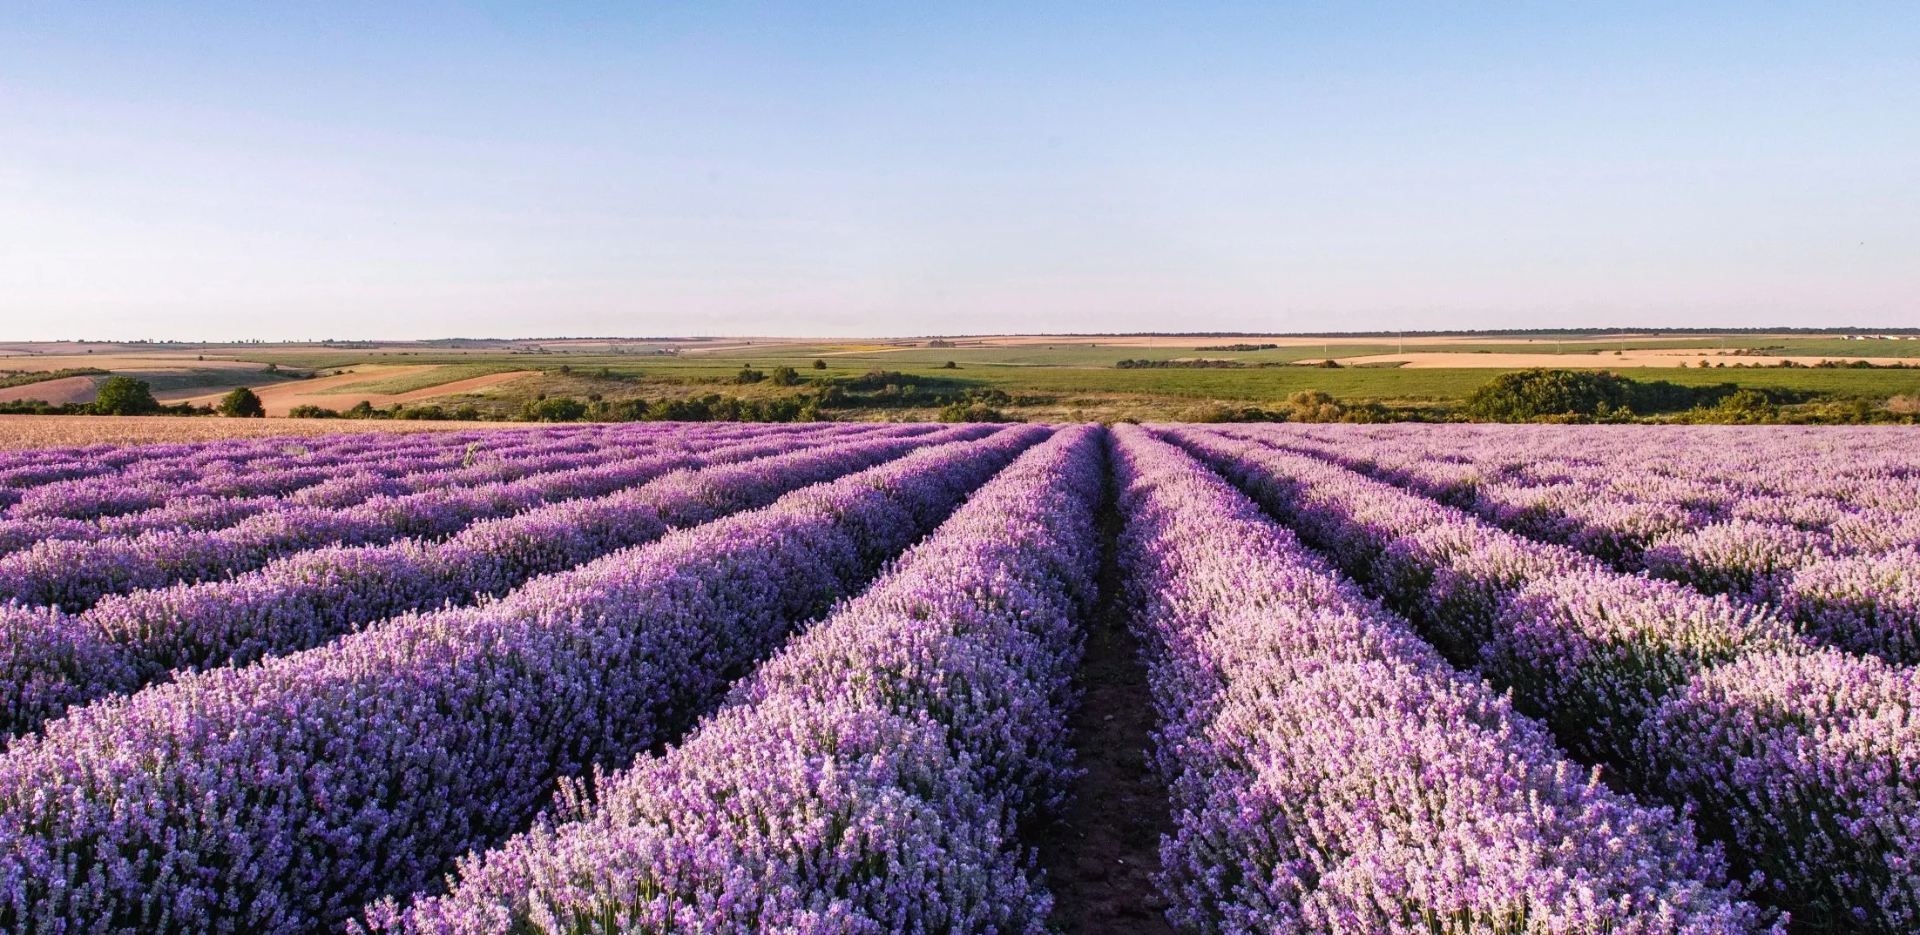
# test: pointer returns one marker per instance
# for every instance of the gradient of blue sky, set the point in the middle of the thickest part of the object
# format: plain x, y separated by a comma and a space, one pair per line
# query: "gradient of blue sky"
286, 171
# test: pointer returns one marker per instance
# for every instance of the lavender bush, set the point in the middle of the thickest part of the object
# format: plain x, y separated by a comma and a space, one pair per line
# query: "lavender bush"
309, 598
1330, 772
1624, 667
280, 797
869, 778
74, 574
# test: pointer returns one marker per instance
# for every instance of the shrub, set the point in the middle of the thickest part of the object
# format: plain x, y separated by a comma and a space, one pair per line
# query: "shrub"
784, 376
1216, 412
1527, 395
242, 403
1748, 406
971, 412
557, 409
1315, 406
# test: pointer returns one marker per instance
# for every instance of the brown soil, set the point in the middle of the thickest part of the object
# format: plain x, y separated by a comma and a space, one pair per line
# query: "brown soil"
1101, 855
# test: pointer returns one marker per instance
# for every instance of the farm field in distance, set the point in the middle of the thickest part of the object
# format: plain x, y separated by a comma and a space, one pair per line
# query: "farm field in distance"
1032, 378
535, 678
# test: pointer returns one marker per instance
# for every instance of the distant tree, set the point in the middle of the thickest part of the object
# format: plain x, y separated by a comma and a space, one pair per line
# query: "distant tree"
125, 396
949, 365
819, 365
784, 376
748, 375
242, 403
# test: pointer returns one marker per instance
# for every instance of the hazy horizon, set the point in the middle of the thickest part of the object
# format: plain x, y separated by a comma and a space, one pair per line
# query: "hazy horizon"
218, 172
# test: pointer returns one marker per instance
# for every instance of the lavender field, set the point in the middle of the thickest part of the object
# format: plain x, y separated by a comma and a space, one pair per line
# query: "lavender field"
849, 678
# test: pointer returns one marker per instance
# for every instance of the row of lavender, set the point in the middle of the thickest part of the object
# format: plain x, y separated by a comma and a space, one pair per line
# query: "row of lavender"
1330, 770
1825, 527
147, 485
1803, 761
74, 573
103, 507
282, 796
1794, 476
1331, 773
24, 469
871, 778
21, 472
192, 493
50, 660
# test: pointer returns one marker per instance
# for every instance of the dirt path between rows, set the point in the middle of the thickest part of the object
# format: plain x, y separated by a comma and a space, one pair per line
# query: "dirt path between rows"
1100, 857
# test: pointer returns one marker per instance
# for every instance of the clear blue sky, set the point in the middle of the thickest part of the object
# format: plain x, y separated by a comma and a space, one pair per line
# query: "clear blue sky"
284, 171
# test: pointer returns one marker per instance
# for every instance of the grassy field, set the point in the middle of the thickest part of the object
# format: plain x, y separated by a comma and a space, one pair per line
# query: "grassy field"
1055, 378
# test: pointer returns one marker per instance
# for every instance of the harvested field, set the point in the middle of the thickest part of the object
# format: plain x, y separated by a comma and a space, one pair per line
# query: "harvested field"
63, 390
62, 431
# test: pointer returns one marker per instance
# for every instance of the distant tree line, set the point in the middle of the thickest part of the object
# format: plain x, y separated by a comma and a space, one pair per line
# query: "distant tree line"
1542, 395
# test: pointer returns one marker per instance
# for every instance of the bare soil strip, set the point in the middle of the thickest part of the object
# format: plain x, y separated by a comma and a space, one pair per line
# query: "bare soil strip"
1100, 857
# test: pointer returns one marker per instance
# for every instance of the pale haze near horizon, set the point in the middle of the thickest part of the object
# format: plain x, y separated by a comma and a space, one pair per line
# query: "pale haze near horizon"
215, 172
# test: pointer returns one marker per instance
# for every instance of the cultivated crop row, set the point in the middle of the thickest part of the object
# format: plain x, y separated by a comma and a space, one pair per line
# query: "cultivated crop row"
73, 574
281, 796
52, 660
1331, 773
1828, 532
809, 679
105, 507
21, 471
1804, 761
870, 778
